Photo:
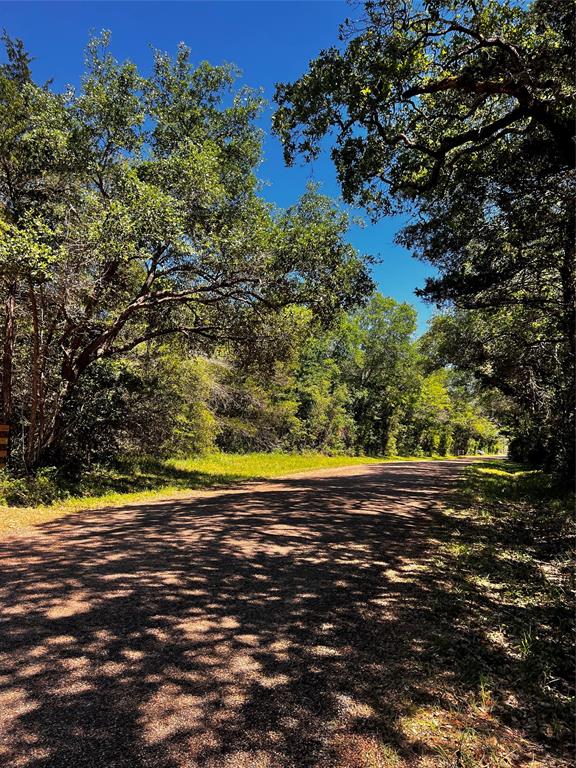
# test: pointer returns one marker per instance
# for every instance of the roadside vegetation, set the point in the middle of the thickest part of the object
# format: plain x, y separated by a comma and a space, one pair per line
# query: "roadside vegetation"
156, 305
487, 660
504, 606
166, 329
45, 496
440, 110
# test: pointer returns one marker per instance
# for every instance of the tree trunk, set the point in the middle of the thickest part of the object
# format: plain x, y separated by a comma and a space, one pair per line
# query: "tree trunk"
35, 426
8, 354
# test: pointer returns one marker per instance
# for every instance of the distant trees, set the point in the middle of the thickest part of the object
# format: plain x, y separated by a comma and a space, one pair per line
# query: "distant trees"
516, 353
362, 386
381, 367
463, 113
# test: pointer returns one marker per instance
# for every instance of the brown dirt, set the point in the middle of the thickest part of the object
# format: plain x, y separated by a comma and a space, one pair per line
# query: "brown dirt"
285, 624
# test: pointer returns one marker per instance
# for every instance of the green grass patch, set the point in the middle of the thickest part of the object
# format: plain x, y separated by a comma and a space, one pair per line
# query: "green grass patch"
47, 496
251, 466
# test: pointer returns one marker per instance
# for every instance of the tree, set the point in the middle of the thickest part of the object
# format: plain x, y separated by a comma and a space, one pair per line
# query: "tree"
420, 87
131, 214
379, 363
463, 114
325, 400
428, 428
510, 352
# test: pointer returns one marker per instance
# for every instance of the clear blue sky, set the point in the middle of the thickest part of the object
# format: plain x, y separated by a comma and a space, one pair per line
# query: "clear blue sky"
269, 41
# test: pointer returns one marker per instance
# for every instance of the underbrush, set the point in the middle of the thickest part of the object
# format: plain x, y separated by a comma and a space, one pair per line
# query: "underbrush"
144, 475
508, 564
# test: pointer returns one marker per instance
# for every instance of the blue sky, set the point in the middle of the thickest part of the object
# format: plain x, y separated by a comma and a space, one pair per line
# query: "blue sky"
269, 41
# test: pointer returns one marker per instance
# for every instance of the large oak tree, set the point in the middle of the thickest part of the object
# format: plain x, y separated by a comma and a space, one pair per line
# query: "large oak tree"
129, 212
462, 114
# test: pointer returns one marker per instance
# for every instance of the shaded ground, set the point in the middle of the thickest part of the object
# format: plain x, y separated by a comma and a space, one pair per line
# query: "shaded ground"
299, 623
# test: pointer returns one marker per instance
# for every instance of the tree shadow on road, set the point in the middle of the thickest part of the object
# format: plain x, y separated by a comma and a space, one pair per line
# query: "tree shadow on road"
301, 623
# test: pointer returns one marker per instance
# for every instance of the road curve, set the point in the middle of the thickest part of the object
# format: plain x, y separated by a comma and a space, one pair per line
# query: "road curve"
274, 625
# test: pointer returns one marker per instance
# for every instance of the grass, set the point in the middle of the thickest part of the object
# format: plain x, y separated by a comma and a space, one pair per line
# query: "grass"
506, 600
132, 482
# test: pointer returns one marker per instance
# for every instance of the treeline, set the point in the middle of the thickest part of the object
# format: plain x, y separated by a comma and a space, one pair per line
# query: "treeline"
362, 387
130, 216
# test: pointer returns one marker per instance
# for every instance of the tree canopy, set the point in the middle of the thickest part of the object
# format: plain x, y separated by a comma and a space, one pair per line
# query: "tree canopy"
156, 305
462, 114
130, 212
417, 88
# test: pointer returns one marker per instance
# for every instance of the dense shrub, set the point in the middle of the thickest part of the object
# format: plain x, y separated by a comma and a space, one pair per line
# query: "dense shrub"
44, 487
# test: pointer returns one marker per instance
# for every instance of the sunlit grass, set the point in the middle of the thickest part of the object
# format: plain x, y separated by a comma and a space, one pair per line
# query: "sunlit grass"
139, 481
14, 518
263, 465
510, 554
504, 626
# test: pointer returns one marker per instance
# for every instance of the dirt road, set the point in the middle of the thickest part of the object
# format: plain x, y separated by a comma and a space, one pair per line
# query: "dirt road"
277, 625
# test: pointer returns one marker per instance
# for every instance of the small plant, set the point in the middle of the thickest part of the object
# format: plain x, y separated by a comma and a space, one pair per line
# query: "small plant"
388, 758
526, 643
485, 693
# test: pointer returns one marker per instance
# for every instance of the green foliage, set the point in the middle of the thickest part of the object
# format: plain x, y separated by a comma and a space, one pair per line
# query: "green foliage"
45, 487
95, 417
511, 352
464, 112
415, 89
130, 214
157, 306
137, 478
257, 411
358, 387
381, 368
